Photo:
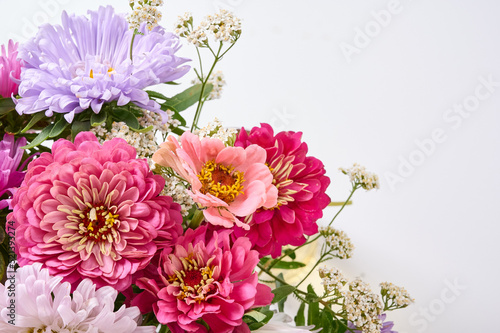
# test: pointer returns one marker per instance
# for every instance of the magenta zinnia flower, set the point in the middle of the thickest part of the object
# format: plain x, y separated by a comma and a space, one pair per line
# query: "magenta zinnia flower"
87, 210
206, 278
45, 305
226, 181
10, 68
301, 184
11, 177
85, 63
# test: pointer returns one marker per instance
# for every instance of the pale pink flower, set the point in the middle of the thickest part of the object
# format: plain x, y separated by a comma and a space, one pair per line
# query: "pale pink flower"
43, 304
207, 278
10, 68
88, 210
227, 182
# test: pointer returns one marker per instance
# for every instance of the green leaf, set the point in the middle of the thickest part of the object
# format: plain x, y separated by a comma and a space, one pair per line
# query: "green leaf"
327, 322
34, 119
143, 130
6, 105
283, 264
79, 126
155, 94
58, 128
121, 114
97, 119
300, 319
172, 83
188, 97
256, 315
178, 131
290, 253
41, 137
282, 292
313, 311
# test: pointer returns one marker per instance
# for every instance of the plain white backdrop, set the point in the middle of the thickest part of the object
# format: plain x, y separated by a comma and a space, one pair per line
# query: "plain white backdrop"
409, 88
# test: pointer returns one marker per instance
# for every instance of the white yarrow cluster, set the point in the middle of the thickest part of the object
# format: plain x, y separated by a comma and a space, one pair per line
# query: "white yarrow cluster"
224, 27
398, 296
144, 143
332, 279
217, 81
363, 307
178, 191
215, 130
338, 241
146, 11
359, 175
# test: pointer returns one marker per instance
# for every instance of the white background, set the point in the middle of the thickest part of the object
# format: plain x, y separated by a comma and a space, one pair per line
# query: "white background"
435, 223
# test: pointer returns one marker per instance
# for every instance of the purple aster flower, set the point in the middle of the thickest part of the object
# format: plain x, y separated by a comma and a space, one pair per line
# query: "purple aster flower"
386, 325
86, 62
11, 154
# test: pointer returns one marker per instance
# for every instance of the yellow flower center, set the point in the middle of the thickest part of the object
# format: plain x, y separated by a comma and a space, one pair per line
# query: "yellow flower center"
97, 223
111, 70
194, 281
221, 181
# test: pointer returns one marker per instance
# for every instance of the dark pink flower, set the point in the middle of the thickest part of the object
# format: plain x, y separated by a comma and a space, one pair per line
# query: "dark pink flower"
93, 211
10, 68
11, 175
206, 278
301, 184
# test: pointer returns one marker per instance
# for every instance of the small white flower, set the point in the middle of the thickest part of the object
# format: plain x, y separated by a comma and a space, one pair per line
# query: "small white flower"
358, 175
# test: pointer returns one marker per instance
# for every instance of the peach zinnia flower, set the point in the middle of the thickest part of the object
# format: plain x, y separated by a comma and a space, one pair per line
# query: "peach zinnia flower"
227, 182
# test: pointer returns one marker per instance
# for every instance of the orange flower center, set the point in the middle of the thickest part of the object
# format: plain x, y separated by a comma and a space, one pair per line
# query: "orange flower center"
221, 181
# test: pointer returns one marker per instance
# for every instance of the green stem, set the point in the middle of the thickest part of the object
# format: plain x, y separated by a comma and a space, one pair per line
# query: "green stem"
203, 85
312, 269
197, 219
354, 188
132, 44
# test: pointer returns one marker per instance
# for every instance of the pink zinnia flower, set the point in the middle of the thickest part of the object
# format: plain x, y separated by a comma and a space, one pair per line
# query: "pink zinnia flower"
45, 305
10, 68
11, 177
92, 210
229, 182
301, 184
206, 278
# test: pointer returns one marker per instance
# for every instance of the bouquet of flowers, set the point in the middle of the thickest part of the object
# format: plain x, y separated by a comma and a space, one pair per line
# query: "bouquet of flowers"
118, 216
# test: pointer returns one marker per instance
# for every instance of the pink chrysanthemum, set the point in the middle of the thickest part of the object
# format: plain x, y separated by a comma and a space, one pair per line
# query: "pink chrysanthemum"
205, 278
11, 176
10, 68
43, 304
229, 182
93, 211
301, 184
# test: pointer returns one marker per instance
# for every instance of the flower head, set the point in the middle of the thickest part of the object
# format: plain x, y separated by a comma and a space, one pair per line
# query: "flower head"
340, 244
85, 63
301, 184
363, 307
207, 278
386, 326
395, 297
10, 68
45, 305
359, 176
92, 210
332, 279
11, 154
146, 12
228, 182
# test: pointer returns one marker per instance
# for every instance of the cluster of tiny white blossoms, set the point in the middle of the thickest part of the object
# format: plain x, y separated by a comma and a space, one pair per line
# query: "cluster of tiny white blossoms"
359, 175
363, 307
146, 11
144, 143
215, 130
332, 279
224, 26
338, 241
217, 81
176, 189
397, 296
